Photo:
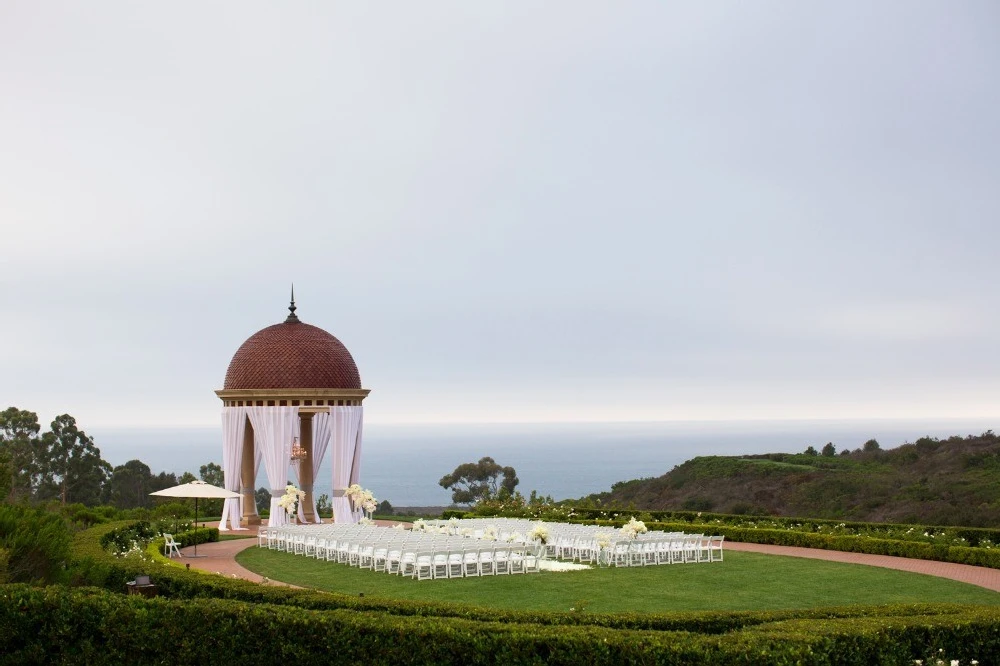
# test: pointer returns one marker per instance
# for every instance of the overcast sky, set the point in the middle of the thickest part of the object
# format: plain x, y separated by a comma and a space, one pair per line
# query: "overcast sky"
507, 211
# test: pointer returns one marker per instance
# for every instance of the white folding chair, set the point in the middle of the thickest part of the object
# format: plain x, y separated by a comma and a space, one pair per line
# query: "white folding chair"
456, 564
636, 558
440, 564
691, 543
393, 558
423, 566
515, 563
487, 564
407, 563
620, 554
532, 560
715, 548
501, 560
171, 547
379, 558
470, 561
366, 556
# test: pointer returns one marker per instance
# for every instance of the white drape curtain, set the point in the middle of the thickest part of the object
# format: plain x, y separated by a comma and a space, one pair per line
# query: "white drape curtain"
356, 466
320, 443
234, 421
345, 451
274, 428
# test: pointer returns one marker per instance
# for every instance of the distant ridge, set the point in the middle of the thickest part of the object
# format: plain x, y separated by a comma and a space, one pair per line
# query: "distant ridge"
941, 482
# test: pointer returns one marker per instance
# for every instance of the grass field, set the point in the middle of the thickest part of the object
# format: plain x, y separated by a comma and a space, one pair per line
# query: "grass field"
744, 581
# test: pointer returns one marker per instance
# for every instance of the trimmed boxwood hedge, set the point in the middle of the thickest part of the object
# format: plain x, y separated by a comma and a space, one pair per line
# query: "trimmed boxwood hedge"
97, 627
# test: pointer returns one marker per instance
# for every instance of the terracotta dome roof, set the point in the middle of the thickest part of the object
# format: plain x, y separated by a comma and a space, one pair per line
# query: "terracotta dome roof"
292, 355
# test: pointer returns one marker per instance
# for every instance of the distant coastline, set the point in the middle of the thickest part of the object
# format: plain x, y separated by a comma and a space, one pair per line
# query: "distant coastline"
402, 463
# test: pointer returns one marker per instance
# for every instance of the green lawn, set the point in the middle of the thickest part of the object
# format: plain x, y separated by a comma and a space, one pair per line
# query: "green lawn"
744, 581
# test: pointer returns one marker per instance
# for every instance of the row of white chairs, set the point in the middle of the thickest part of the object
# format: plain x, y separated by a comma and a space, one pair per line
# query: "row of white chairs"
582, 543
416, 555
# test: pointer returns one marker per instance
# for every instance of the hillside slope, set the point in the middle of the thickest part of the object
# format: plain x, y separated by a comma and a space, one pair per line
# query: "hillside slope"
944, 482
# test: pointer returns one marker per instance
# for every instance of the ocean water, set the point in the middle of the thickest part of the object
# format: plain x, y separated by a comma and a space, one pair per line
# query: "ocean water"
567, 460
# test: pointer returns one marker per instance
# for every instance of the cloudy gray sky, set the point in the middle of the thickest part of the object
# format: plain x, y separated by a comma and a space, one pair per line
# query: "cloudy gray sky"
507, 211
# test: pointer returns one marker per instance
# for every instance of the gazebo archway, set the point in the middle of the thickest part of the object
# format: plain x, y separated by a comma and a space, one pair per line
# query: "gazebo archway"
290, 380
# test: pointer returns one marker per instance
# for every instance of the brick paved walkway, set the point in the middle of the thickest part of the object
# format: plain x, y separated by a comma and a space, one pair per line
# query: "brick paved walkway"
221, 558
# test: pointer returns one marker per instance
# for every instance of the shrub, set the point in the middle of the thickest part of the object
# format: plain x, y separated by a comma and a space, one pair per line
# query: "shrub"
37, 544
56, 625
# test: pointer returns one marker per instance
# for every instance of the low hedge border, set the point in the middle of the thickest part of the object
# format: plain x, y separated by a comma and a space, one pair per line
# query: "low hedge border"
96, 627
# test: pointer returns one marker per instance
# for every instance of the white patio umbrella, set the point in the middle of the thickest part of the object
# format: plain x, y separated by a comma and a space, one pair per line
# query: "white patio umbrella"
196, 489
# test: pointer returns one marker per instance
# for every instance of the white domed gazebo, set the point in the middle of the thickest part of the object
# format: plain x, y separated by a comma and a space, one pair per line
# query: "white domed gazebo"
291, 380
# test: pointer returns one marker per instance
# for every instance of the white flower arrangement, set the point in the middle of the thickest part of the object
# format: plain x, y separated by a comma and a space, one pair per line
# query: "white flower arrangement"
634, 528
365, 520
540, 533
362, 498
490, 533
399, 526
289, 501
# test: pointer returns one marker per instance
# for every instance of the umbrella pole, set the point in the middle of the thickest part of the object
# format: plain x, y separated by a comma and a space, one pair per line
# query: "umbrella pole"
196, 527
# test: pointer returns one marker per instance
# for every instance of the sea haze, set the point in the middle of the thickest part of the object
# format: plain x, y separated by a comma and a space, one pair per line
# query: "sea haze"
404, 463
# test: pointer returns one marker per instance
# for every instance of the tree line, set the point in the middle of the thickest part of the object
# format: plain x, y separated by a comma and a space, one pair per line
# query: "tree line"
64, 464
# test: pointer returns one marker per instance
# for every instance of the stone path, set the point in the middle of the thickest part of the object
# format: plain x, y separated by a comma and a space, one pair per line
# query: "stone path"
221, 558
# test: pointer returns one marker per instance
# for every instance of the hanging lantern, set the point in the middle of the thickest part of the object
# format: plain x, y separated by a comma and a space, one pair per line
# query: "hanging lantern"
298, 452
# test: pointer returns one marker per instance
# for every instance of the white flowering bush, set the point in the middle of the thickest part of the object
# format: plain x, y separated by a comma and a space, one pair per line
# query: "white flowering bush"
940, 660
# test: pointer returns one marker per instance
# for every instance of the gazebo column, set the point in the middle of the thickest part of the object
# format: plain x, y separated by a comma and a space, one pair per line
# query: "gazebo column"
305, 471
248, 479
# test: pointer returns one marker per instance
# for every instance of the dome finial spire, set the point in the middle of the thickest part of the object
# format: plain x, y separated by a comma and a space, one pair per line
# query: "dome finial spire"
292, 319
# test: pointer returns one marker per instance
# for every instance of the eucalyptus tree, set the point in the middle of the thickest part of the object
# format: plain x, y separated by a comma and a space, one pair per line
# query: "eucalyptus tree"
130, 485
19, 446
70, 466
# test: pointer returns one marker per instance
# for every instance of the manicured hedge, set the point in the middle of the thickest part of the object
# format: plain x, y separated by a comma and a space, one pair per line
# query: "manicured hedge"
59, 625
